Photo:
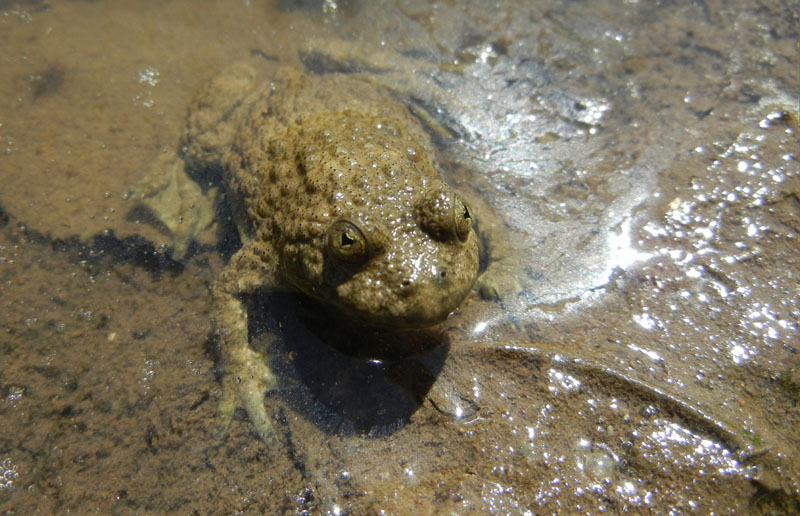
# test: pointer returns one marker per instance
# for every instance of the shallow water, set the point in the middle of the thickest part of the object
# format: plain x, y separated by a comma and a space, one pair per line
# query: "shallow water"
643, 161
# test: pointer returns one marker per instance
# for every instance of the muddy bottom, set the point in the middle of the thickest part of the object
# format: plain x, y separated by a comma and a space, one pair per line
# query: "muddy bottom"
642, 162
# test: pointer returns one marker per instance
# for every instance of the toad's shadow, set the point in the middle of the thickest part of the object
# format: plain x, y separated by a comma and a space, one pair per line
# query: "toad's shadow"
347, 379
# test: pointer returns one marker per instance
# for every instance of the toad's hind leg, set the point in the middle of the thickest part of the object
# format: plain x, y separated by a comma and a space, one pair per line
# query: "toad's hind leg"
246, 374
214, 115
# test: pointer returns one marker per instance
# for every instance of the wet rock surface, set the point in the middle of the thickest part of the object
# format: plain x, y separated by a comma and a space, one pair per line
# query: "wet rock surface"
643, 162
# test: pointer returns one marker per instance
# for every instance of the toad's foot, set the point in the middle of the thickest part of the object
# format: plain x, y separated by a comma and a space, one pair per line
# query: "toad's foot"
246, 379
246, 374
177, 202
500, 281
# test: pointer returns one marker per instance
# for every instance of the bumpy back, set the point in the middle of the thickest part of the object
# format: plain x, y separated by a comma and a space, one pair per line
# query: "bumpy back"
312, 146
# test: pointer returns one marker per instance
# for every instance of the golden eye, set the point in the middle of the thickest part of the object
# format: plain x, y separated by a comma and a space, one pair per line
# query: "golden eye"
444, 215
347, 242
464, 220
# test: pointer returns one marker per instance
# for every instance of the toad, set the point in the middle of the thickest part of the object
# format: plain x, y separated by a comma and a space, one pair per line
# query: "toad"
335, 195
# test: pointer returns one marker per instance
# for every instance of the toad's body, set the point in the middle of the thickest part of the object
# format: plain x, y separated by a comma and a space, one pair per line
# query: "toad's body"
335, 195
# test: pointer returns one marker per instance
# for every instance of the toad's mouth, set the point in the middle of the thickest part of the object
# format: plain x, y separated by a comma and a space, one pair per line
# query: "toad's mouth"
407, 304
405, 315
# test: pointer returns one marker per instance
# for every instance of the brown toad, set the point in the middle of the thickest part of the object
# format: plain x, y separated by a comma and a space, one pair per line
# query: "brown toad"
335, 195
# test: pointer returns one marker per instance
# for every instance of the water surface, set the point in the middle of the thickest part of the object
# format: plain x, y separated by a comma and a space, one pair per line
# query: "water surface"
640, 158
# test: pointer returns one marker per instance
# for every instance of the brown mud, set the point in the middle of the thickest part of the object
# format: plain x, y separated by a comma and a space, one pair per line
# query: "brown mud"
644, 160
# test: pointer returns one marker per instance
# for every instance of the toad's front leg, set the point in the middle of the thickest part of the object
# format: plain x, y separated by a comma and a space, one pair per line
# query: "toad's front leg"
246, 375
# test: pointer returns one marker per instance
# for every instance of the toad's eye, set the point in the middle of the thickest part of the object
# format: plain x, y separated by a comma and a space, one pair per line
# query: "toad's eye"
346, 242
463, 218
444, 215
